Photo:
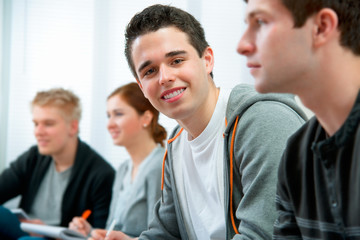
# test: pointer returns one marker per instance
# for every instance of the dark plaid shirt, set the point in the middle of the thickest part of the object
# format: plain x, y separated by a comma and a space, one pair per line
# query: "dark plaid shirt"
318, 193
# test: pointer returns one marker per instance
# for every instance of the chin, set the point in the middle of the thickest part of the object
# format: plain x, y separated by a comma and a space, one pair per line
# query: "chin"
117, 142
262, 87
45, 151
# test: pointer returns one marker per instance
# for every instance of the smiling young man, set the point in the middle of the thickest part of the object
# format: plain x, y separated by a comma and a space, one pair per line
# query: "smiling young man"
61, 176
312, 48
221, 162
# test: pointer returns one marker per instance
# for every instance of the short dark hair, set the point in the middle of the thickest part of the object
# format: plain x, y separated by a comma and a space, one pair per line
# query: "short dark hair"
348, 12
160, 16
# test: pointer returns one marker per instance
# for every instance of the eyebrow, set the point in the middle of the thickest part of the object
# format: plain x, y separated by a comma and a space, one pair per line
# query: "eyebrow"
144, 65
169, 54
252, 14
175, 53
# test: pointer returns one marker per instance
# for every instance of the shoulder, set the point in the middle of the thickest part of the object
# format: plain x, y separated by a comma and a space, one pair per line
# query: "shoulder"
153, 165
33, 156
88, 156
174, 132
304, 136
245, 102
298, 155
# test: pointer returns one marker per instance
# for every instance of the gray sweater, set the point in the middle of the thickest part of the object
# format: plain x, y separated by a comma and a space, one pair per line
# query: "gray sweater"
142, 194
265, 123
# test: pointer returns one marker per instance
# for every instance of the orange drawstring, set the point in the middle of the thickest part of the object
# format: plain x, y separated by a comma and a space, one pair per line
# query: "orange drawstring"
231, 175
163, 164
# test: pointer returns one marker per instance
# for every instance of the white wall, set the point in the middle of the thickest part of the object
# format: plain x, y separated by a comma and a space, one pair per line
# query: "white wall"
2, 137
78, 44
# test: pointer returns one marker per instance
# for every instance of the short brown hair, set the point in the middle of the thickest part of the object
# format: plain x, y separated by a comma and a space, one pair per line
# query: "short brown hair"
348, 12
159, 16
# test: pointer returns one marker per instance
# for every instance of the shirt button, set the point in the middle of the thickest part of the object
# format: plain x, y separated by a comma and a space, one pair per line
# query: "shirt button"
334, 204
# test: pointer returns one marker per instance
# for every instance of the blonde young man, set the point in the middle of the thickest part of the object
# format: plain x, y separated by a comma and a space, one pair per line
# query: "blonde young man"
221, 162
312, 48
61, 176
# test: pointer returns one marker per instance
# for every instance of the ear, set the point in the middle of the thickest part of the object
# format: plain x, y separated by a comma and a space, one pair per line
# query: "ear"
141, 87
209, 59
74, 127
147, 117
326, 24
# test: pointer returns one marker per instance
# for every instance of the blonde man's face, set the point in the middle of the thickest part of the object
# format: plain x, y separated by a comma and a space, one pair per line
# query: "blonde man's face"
52, 131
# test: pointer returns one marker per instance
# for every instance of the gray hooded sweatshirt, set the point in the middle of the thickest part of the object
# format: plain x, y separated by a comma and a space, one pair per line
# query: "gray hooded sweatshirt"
264, 123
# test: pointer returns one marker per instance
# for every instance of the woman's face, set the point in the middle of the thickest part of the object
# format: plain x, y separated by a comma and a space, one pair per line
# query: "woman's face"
125, 125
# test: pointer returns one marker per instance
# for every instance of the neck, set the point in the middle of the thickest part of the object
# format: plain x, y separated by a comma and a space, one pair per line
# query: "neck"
140, 150
334, 91
198, 121
66, 158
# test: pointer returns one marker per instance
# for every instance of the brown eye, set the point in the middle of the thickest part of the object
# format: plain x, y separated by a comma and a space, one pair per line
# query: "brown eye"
148, 72
177, 61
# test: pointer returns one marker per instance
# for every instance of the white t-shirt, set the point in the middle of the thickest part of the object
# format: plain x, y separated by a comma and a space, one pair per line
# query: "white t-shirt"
202, 175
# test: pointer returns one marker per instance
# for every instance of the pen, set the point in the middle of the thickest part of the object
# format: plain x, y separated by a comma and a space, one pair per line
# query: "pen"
86, 214
112, 225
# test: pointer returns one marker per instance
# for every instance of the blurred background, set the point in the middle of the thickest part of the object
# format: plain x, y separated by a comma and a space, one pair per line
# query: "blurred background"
79, 45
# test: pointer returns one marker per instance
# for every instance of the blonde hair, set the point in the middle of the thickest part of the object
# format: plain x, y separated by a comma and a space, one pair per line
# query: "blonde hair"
65, 100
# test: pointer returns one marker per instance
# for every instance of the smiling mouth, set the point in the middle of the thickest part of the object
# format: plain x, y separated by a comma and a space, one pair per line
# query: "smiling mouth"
173, 94
251, 65
114, 134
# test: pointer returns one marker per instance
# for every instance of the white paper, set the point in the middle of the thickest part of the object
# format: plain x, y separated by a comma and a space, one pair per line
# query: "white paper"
52, 231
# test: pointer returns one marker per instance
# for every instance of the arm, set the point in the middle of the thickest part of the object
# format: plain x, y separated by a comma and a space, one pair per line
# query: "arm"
153, 191
101, 198
164, 224
262, 134
285, 225
80, 225
14, 179
113, 235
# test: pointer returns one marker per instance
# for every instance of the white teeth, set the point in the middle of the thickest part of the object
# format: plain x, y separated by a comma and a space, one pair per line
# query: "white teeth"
173, 94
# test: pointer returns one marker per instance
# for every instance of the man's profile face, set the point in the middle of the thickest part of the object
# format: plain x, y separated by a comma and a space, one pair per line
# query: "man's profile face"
277, 53
52, 131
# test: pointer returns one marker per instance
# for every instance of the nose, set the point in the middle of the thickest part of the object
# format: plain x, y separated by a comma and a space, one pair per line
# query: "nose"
38, 130
165, 74
246, 46
110, 123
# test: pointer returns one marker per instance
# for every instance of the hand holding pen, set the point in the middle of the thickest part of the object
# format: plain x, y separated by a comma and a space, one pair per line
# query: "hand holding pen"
103, 234
80, 224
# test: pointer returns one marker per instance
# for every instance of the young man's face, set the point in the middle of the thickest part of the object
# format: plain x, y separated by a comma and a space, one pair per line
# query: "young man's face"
172, 75
51, 130
278, 54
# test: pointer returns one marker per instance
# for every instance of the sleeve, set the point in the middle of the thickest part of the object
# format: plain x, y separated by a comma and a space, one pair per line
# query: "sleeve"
285, 226
153, 191
261, 137
164, 224
14, 178
102, 192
